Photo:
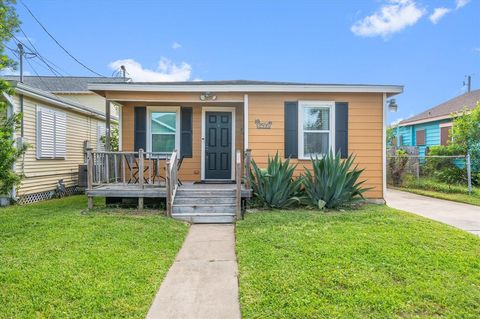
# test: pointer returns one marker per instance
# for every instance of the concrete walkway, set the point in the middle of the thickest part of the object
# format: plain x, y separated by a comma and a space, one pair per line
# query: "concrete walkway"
202, 282
463, 216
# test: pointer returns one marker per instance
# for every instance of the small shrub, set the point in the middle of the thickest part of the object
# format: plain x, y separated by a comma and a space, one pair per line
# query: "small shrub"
274, 186
333, 182
430, 184
447, 169
397, 166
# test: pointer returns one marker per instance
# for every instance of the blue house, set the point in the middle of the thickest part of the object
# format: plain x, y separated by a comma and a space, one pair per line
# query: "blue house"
432, 127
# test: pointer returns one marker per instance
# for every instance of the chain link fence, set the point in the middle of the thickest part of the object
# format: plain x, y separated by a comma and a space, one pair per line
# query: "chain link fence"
409, 169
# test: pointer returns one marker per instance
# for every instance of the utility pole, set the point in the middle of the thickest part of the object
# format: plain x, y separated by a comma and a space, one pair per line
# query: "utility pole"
21, 52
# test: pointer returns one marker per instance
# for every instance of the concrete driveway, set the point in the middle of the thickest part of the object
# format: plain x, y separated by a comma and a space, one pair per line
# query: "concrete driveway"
463, 216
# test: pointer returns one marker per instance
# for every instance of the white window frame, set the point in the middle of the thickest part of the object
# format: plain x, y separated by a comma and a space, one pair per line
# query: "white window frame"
331, 131
38, 133
152, 109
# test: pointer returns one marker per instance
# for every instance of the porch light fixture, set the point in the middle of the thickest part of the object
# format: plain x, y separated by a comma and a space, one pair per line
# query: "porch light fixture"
392, 105
208, 96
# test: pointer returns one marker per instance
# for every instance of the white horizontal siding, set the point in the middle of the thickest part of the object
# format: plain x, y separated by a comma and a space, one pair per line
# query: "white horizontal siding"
43, 174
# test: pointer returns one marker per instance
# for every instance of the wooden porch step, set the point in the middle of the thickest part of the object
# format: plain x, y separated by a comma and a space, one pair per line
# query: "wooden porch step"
210, 200
203, 209
206, 218
205, 204
205, 193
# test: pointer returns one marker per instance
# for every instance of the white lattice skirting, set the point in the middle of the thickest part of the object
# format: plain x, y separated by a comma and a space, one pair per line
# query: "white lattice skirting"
37, 197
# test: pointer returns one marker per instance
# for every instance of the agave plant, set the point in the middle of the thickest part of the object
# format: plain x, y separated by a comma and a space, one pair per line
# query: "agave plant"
274, 186
333, 182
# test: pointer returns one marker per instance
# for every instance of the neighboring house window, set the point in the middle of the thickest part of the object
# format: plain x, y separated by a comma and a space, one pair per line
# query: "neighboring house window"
101, 131
316, 127
163, 129
445, 135
420, 137
51, 141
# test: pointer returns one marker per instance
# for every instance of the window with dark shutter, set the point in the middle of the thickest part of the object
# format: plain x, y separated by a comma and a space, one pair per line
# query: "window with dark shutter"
420, 137
291, 129
186, 132
341, 128
140, 128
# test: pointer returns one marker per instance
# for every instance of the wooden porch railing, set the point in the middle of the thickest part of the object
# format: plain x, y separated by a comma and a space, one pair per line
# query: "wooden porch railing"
171, 180
138, 168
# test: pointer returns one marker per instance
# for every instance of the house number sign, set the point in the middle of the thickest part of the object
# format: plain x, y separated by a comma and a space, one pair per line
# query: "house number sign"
263, 125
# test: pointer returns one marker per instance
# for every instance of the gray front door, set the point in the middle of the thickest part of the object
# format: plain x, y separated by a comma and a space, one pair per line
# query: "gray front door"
218, 145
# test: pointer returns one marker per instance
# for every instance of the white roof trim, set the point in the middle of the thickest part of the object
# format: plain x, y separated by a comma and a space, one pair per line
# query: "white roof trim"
58, 101
321, 88
430, 119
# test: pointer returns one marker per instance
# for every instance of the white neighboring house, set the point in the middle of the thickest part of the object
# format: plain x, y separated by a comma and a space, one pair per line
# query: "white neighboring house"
56, 124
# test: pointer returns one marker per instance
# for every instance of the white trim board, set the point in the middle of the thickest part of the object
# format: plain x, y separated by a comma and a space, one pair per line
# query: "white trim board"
384, 145
325, 88
218, 109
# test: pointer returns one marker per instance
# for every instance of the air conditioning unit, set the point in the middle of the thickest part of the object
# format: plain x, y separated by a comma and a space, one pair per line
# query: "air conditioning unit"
82, 175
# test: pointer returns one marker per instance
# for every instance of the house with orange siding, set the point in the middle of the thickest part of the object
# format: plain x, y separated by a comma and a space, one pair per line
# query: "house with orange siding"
213, 127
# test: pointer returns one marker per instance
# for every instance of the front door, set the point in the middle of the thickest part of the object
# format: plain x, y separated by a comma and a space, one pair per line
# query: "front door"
218, 145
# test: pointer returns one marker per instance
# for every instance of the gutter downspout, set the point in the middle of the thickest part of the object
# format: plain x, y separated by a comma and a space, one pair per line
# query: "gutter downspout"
20, 96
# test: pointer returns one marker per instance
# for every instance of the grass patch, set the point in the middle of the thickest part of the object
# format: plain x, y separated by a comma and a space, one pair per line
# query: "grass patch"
374, 262
58, 262
437, 189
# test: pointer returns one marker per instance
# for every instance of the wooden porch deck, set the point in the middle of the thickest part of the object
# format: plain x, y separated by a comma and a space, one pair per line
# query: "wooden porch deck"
156, 190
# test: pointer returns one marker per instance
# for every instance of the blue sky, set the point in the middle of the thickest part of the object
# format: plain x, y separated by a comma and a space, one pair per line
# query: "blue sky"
428, 46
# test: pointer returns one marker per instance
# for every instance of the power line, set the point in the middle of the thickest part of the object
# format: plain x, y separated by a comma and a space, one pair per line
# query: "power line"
58, 43
47, 62
34, 52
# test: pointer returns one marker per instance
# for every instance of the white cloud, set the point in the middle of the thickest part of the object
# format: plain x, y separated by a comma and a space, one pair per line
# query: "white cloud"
166, 70
437, 14
389, 19
176, 45
461, 3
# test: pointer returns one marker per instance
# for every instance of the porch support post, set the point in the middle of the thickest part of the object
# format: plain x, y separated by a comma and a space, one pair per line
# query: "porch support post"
89, 177
107, 126
245, 122
120, 128
141, 176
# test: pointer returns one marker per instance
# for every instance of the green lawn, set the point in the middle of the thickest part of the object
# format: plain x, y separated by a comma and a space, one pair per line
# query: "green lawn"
59, 262
374, 262
437, 189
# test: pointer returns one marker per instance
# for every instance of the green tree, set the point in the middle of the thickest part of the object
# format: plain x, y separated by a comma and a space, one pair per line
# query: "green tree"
466, 134
9, 153
466, 128
113, 138
391, 135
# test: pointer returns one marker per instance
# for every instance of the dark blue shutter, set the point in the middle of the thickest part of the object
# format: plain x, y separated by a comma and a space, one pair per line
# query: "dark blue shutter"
341, 128
186, 132
291, 129
140, 128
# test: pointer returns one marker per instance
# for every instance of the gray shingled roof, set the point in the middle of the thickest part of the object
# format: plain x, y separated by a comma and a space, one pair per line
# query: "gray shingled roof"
62, 84
456, 104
